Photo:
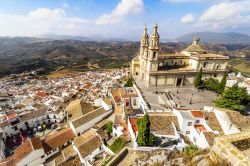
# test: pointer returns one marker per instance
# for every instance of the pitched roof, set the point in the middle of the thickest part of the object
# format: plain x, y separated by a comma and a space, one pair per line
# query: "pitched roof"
66, 154
162, 124
89, 146
73, 161
32, 114
213, 122
136, 58
78, 108
88, 117
9, 161
26, 148
58, 139
90, 134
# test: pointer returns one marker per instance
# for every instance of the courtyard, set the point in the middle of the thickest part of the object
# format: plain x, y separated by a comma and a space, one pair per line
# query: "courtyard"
167, 97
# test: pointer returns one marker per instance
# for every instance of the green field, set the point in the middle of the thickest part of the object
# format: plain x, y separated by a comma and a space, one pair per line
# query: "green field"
240, 65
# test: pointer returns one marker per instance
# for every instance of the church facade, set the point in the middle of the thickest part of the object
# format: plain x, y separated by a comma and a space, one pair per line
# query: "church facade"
154, 68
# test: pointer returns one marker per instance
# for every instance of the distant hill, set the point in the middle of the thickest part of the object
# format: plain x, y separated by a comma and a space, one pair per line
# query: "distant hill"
19, 54
218, 38
80, 38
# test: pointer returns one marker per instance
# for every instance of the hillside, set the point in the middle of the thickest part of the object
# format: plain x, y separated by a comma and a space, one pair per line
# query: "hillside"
47, 55
18, 55
218, 38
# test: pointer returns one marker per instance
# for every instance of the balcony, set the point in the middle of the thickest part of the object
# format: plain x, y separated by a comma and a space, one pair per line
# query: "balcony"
168, 67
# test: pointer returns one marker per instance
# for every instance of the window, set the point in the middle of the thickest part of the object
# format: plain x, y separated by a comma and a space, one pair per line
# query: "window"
154, 54
197, 121
218, 67
190, 123
187, 132
215, 75
205, 64
78, 134
54, 116
26, 123
194, 139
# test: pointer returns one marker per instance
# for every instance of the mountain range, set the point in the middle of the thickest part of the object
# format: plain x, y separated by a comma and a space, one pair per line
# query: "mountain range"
49, 53
217, 38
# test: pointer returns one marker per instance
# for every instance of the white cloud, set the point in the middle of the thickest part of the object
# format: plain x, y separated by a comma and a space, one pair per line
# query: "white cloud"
65, 5
40, 21
123, 9
225, 10
44, 13
189, 18
226, 14
223, 15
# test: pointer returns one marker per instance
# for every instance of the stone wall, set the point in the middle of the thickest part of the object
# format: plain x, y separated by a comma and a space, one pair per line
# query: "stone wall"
223, 149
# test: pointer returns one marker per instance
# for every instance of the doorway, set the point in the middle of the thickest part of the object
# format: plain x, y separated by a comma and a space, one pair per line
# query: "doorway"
179, 81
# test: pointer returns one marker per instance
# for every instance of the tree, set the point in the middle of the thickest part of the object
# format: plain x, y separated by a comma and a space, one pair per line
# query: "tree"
143, 130
152, 139
211, 84
222, 84
109, 127
234, 98
129, 82
198, 77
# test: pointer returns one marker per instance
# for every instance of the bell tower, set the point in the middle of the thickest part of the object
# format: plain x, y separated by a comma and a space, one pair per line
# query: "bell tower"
144, 42
153, 50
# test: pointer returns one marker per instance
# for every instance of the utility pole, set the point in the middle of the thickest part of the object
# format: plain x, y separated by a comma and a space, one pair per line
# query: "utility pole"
156, 81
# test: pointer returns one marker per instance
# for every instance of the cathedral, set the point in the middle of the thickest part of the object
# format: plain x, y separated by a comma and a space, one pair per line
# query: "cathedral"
154, 68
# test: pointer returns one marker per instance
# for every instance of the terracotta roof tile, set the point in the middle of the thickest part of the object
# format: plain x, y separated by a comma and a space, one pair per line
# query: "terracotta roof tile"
58, 139
88, 117
197, 114
89, 146
23, 150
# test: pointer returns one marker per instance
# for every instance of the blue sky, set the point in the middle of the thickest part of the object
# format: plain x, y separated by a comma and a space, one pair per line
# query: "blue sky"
122, 18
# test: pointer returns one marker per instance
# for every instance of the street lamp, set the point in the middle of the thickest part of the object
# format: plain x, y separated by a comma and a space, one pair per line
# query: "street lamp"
191, 99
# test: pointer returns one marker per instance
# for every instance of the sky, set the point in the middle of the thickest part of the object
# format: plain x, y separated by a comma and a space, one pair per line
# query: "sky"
122, 18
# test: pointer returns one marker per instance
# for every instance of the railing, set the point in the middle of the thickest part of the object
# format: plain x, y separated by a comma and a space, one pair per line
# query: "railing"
168, 67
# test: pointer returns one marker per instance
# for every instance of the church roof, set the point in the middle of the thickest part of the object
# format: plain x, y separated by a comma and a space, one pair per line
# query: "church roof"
136, 58
195, 48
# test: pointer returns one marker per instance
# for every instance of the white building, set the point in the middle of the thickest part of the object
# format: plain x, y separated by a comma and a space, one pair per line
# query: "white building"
193, 125
239, 80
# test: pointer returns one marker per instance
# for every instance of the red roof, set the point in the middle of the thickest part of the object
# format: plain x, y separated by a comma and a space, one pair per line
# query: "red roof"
200, 127
197, 114
133, 122
41, 94
11, 116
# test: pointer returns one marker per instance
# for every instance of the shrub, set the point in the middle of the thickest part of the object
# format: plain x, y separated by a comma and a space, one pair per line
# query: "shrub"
118, 144
211, 84
234, 98
109, 127
190, 150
